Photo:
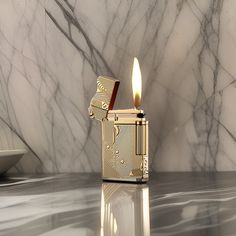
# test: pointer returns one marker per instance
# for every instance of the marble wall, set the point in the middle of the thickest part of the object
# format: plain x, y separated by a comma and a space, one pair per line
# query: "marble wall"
52, 51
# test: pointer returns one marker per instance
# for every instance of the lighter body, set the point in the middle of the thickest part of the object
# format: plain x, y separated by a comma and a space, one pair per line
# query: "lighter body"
125, 146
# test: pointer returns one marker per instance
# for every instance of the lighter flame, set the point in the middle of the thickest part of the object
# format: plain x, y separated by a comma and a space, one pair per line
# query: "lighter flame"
136, 83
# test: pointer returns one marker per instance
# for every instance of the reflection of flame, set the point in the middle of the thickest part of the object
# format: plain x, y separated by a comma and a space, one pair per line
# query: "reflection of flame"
136, 83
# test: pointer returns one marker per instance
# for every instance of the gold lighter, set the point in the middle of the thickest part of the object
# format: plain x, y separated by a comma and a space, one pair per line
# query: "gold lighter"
124, 132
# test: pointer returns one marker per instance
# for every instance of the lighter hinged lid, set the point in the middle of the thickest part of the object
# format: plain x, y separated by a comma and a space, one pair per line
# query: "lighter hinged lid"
104, 99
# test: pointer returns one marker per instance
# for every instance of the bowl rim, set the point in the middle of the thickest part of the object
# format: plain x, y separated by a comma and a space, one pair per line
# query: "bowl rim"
11, 152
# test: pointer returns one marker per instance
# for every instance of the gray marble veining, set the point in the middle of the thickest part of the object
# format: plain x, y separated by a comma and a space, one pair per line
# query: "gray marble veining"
52, 51
80, 204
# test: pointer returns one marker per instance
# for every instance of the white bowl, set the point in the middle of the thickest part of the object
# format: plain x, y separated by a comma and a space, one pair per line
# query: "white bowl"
9, 158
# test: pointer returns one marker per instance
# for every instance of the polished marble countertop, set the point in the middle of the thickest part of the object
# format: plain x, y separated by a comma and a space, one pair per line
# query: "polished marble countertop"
81, 204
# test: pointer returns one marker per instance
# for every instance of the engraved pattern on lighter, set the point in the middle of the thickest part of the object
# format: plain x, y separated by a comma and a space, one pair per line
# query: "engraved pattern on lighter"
124, 135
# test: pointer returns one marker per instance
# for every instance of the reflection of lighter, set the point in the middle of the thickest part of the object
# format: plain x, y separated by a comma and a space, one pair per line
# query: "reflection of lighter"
124, 132
125, 210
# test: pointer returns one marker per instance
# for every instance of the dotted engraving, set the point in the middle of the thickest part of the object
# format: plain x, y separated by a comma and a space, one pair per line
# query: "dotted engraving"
104, 105
145, 166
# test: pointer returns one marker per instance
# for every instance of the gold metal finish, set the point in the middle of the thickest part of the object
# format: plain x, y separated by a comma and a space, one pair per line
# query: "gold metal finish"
104, 98
124, 136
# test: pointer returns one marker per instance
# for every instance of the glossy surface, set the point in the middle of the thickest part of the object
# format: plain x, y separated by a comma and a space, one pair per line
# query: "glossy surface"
80, 204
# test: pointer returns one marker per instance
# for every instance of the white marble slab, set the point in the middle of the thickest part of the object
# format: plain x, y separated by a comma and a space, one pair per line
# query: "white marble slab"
52, 51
